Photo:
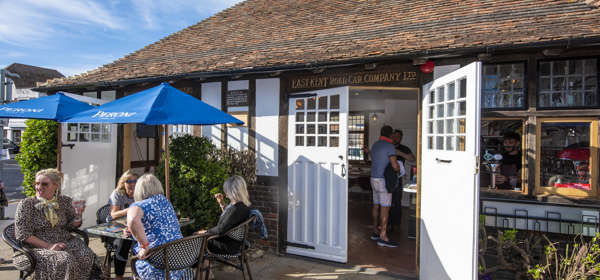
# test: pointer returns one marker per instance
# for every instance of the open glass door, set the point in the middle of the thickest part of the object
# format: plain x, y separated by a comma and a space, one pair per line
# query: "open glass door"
317, 223
449, 192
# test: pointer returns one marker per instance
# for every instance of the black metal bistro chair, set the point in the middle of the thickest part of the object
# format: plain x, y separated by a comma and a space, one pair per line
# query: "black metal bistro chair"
8, 235
238, 260
186, 253
101, 216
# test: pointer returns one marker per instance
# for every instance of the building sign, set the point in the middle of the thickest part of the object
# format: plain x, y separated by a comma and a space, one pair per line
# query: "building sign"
236, 98
365, 78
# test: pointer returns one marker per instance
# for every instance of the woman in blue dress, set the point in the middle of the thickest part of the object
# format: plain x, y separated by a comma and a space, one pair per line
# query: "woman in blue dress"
152, 222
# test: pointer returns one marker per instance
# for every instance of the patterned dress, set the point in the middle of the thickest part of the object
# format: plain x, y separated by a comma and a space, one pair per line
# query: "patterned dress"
161, 226
73, 263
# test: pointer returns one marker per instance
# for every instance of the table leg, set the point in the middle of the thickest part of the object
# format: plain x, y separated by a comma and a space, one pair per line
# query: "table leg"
106, 265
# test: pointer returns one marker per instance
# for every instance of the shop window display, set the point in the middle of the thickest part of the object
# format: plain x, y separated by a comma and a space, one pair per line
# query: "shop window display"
494, 153
565, 155
503, 86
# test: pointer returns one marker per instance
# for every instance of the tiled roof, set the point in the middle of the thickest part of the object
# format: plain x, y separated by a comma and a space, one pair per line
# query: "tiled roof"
274, 33
29, 75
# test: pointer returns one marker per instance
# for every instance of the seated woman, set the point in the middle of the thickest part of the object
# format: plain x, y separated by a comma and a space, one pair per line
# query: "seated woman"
119, 201
43, 223
235, 213
152, 222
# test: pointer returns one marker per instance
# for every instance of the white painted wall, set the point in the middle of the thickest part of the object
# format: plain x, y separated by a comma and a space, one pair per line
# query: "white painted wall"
211, 95
237, 136
89, 173
267, 126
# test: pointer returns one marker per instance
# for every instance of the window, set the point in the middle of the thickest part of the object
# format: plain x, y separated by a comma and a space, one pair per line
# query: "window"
503, 86
89, 132
356, 135
181, 130
566, 154
318, 121
492, 146
446, 116
17, 136
568, 83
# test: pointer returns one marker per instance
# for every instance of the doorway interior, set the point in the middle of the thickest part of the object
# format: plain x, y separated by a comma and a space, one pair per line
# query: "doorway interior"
370, 108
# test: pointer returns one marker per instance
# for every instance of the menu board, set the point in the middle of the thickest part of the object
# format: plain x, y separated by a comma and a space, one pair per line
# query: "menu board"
237, 98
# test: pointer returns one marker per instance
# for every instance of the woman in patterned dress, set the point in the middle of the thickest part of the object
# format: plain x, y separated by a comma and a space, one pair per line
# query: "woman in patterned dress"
152, 222
42, 222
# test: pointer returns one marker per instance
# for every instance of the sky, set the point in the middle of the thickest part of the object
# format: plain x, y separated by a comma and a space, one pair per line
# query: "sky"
75, 36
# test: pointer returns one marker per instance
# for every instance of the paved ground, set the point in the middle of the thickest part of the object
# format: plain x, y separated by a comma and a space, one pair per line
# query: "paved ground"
267, 266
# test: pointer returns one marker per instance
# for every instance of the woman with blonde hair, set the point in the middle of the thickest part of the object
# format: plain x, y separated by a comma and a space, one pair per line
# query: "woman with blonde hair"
119, 201
152, 221
234, 213
43, 222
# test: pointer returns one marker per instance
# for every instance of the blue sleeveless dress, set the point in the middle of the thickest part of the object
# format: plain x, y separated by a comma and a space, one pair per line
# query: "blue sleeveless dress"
161, 226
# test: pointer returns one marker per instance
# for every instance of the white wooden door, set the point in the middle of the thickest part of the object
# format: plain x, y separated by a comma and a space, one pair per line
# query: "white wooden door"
449, 181
317, 175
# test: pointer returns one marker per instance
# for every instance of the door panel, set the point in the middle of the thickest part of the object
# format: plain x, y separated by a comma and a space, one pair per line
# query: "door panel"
317, 175
449, 192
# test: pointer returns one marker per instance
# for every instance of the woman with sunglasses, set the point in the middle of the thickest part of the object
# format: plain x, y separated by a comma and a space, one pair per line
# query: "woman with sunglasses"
43, 222
119, 201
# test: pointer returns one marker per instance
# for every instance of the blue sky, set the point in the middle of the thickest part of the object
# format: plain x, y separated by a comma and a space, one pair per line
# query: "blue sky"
74, 36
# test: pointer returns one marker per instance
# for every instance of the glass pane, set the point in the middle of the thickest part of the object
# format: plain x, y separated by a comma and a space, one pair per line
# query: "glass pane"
300, 117
590, 97
310, 141
105, 138
590, 66
518, 69
299, 140
450, 126
439, 142
440, 110
440, 94
310, 129
462, 108
545, 68
462, 93
299, 129
84, 137
576, 67
450, 109
430, 142
544, 83
543, 100
323, 103
96, 127
430, 127
431, 112
590, 82
334, 141
71, 136
449, 143
106, 128
490, 69
558, 83
335, 102
300, 104
322, 116
322, 129
440, 126
505, 71
322, 141
461, 126
95, 137
431, 97
311, 103
334, 116
72, 127
450, 93
559, 68
310, 116
460, 143
334, 129
565, 155
84, 127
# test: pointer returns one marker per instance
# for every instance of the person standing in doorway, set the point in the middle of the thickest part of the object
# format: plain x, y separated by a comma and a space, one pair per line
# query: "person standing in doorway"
382, 154
3, 201
403, 153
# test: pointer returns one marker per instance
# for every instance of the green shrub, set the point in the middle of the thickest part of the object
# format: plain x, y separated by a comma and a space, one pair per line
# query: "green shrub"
196, 174
38, 151
241, 163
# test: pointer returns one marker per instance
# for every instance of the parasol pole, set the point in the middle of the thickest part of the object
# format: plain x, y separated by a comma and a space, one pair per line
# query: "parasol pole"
166, 143
59, 148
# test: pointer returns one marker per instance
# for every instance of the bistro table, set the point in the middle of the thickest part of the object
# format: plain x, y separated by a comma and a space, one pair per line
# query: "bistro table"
114, 229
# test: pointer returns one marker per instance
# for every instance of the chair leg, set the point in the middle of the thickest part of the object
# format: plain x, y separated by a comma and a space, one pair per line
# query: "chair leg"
207, 271
106, 264
248, 268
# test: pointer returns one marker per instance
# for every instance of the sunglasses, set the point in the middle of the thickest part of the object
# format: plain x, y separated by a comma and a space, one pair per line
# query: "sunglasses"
43, 184
131, 181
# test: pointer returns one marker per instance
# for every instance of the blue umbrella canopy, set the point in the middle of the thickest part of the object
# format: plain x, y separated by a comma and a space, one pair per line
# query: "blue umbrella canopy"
53, 107
162, 104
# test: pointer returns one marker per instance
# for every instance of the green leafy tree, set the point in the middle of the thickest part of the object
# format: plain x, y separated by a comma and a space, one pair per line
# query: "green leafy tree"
196, 175
38, 151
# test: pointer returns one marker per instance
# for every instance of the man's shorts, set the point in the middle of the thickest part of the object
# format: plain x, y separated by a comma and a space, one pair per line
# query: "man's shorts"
380, 194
